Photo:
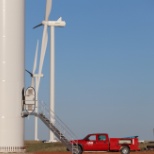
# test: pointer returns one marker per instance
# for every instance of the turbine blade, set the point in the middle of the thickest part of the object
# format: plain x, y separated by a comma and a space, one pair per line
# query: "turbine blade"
37, 25
42, 54
35, 65
35, 58
29, 73
48, 9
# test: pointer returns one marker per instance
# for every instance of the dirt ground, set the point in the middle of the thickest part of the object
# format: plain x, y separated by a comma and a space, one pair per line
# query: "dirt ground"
136, 152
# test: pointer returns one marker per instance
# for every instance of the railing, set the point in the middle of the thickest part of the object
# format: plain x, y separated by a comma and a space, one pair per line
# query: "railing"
56, 121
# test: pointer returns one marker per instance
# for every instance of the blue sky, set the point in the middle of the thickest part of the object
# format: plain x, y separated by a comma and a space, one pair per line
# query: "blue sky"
104, 65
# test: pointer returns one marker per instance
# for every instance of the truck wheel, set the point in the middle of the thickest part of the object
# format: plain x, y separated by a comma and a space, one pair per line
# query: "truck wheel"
125, 150
77, 150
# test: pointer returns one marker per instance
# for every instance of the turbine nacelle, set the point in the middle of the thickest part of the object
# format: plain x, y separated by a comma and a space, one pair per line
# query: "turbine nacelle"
38, 75
58, 23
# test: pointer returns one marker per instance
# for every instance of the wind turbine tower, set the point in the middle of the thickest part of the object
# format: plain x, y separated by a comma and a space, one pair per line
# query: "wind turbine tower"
53, 24
12, 16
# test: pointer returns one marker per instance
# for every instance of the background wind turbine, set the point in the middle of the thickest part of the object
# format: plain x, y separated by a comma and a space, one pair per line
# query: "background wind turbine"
52, 24
34, 84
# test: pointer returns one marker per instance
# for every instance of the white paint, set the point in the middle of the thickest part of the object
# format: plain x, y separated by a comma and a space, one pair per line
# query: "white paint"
11, 75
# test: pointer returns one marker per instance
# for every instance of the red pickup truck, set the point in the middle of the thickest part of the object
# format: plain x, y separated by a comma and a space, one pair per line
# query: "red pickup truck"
102, 142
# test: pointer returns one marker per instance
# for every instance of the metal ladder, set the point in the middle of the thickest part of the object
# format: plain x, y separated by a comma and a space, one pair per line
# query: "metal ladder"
60, 130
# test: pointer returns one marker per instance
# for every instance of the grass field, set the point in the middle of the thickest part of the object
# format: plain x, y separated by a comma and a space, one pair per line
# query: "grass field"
39, 146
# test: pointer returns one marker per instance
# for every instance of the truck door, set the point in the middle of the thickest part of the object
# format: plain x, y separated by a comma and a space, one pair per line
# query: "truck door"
90, 144
102, 143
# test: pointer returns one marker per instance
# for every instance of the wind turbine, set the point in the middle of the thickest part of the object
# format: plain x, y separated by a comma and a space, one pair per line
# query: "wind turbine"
34, 85
52, 25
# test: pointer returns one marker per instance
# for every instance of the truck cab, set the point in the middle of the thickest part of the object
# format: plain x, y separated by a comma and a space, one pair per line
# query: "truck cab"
95, 142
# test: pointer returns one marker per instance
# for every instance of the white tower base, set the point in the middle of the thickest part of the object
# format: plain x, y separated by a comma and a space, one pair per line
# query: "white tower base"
12, 68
